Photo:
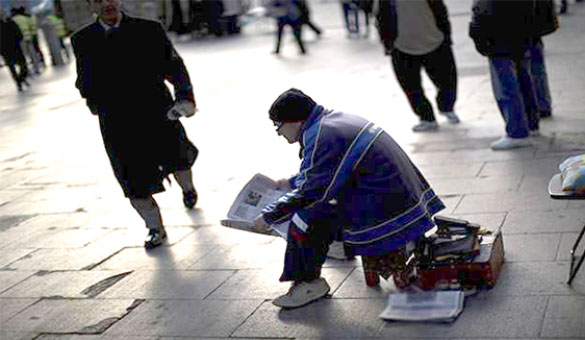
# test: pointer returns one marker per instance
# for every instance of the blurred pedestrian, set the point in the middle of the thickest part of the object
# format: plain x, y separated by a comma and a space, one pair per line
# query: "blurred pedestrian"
416, 35
507, 32
59, 27
122, 65
355, 185
287, 13
350, 10
367, 6
306, 17
11, 51
35, 38
25, 25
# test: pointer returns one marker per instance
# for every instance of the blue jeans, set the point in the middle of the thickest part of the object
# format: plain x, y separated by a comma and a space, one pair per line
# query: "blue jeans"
538, 70
514, 90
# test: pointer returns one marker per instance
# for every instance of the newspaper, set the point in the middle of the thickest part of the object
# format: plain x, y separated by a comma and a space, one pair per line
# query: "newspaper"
437, 306
256, 194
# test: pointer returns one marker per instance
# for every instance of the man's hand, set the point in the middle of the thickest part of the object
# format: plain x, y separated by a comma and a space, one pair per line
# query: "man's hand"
283, 184
183, 108
260, 224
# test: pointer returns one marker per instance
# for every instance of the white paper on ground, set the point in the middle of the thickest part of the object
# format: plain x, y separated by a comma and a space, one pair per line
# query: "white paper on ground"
438, 306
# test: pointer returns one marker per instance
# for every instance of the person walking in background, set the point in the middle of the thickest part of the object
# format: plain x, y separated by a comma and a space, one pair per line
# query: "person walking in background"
34, 27
351, 16
355, 185
11, 51
287, 12
306, 17
417, 34
59, 27
546, 22
24, 24
507, 33
122, 65
367, 6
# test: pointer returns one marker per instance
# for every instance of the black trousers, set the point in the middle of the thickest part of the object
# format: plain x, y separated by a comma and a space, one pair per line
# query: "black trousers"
21, 74
296, 31
440, 67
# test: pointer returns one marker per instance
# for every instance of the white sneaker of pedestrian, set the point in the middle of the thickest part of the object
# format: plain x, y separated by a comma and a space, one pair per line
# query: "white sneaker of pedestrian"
302, 293
507, 143
451, 117
425, 125
337, 251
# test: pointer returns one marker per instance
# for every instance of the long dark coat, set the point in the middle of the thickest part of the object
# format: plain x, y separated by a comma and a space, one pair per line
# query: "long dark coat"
121, 75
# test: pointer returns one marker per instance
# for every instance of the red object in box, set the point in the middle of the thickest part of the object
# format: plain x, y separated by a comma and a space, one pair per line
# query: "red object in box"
481, 272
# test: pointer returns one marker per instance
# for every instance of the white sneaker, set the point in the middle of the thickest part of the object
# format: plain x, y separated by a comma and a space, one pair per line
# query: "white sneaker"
302, 293
425, 125
337, 251
451, 117
535, 133
507, 143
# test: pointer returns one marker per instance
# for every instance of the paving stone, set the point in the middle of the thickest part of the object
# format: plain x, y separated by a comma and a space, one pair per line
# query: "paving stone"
453, 170
58, 238
60, 259
354, 287
68, 316
457, 186
531, 247
264, 284
66, 284
215, 234
194, 318
174, 257
9, 278
347, 318
565, 317
11, 307
498, 316
529, 167
451, 202
536, 278
507, 201
7, 257
554, 221
245, 256
535, 184
96, 337
42, 206
17, 335
567, 242
469, 156
168, 284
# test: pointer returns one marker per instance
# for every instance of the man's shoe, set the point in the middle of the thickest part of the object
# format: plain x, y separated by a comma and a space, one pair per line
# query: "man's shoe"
451, 117
302, 293
425, 125
507, 143
155, 238
190, 198
337, 251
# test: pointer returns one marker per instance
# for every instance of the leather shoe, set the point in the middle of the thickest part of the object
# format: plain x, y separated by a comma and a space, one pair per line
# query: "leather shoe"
190, 198
155, 238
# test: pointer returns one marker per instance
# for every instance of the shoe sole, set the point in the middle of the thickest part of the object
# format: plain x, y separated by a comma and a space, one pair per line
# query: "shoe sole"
304, 304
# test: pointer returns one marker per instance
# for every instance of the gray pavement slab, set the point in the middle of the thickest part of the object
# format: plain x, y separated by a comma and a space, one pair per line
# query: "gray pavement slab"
204, 318
507, 201
63, 284
60, 259
553, 221
168, 284
7, 257
68, 316
354, 287
564, 317
11, 307
336, 318
567, 242
10, 278
531, 247
502, 321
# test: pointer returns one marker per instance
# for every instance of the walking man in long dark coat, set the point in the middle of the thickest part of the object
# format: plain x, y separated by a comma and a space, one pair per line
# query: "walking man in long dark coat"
122, 63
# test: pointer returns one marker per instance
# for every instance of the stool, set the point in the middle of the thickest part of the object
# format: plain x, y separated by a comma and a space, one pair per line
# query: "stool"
555, 192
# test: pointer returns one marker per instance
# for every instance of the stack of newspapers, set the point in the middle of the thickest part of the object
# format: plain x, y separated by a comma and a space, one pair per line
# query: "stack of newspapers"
435, 306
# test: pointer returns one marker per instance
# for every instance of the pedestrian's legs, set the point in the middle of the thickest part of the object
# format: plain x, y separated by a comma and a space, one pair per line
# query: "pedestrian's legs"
148, 209
529, 93
62, 43
440, 66
312, 26
279, 37
407, 70
346, 8
297, 31
185, 180
508, 95
30, 52
538, 70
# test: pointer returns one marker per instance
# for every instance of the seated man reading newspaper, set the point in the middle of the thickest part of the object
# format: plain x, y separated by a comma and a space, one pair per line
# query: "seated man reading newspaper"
355, 185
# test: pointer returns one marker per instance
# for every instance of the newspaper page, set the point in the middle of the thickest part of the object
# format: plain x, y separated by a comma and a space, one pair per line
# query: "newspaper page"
256, 194
437, 306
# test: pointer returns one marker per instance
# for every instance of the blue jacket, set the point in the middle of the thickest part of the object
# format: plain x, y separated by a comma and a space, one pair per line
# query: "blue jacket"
382, 202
